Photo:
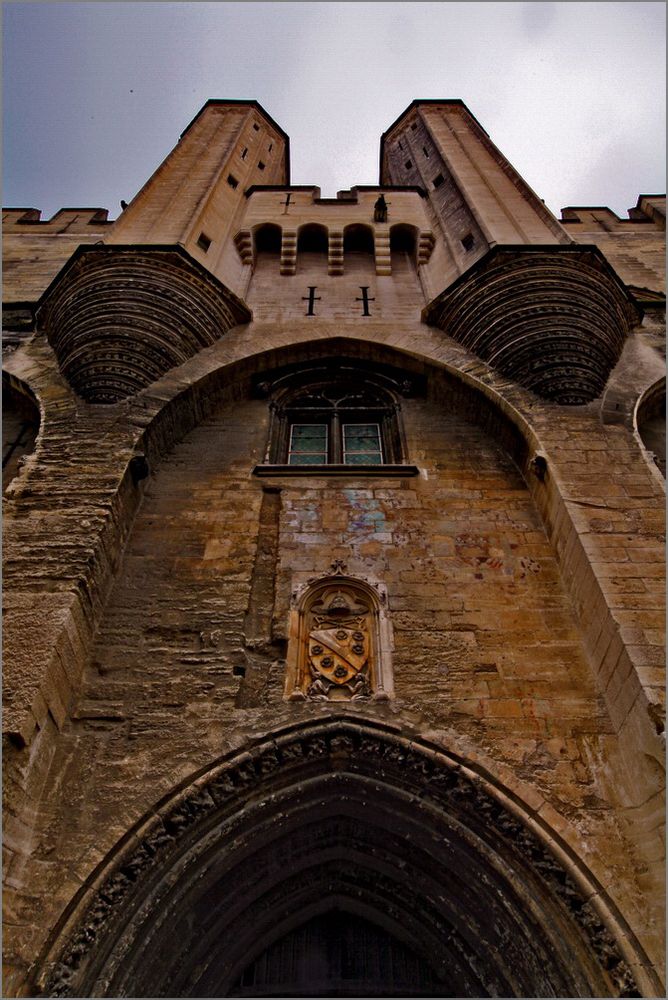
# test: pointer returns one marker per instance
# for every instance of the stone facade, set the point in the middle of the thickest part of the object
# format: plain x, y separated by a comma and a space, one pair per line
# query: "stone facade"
334, 578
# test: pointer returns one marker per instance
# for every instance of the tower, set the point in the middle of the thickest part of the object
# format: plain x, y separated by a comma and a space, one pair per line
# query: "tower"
333, 556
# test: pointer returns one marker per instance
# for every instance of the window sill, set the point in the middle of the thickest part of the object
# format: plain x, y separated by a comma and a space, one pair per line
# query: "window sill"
382, 471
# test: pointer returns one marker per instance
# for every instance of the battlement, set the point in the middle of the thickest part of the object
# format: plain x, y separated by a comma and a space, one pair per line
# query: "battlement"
64, 220
649, 210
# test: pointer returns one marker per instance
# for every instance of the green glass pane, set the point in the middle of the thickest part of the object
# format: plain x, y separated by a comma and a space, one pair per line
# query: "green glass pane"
360, 436
299, 458
361, 444
302, 433
363, 458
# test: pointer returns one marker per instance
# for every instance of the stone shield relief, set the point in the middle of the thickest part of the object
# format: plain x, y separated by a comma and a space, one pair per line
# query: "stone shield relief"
337, 643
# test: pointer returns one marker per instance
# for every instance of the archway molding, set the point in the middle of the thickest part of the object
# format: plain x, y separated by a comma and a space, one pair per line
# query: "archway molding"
651, 404
354, 814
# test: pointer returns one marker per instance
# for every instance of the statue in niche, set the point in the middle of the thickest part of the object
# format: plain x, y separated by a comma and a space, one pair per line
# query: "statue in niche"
338, 647
380, 210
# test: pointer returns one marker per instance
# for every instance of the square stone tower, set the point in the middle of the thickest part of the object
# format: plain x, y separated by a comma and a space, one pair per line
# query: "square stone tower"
333, 647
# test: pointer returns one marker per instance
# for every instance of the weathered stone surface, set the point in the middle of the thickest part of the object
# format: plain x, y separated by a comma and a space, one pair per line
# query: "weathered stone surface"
500, 812
120, 317
566, 329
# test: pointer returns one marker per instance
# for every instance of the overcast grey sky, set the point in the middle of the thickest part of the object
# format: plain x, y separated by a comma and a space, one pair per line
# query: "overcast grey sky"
96, 94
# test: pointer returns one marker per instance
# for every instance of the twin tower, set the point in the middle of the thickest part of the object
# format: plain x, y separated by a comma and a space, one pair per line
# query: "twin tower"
472, 234
334, 597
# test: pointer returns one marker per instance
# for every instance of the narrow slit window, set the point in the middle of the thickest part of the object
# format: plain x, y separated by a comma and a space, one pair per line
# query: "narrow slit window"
203, 242
425, 151
232, 181
271, 146
244, 152
361, 444
308, 444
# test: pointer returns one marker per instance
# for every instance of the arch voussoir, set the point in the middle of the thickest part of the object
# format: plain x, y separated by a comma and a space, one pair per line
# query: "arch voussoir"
344, 810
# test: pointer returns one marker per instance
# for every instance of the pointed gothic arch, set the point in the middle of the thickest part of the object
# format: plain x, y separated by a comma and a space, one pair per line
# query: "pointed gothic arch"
340, 815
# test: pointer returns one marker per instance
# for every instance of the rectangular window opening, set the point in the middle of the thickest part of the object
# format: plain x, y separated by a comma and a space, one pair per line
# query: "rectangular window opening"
232, 181
308, 444
468, 242
203, 242
256, 127
438, 180
361, 444
260, 165
408, 164
425, 151
413, 126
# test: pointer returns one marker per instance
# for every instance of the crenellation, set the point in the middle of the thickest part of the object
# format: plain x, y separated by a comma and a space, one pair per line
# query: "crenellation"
335, 580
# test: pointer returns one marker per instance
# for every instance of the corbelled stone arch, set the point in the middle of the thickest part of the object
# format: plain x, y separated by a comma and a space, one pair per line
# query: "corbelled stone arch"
351, 815
267, 239
404, 244
312, 238
358, 239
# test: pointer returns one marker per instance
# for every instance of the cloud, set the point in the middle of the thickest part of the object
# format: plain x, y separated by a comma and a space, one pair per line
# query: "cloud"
537, 18
553, 83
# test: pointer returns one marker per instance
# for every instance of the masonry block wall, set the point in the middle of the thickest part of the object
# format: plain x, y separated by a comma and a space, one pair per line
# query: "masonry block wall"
157, 544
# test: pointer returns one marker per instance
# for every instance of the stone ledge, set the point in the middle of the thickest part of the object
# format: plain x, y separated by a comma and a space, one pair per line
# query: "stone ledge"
382, 471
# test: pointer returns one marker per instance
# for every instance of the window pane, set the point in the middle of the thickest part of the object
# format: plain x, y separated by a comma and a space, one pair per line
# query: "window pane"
361, 444
364, 458
308, 444
298, 458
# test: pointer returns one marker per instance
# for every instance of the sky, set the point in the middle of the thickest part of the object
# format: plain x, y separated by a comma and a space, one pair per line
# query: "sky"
96, 94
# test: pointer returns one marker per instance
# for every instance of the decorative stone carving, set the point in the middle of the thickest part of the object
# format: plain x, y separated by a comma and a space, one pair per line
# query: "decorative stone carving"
91, 951
340, 641
565, 332
120, 317
339, 647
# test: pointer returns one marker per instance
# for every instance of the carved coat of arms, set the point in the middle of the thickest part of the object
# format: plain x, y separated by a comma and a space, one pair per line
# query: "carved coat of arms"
338, 652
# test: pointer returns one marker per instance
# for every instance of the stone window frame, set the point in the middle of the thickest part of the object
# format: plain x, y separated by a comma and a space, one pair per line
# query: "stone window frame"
304, 595
287, 408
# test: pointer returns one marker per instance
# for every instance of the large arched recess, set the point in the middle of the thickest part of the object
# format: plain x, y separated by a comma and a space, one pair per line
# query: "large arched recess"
497, 411
342, 814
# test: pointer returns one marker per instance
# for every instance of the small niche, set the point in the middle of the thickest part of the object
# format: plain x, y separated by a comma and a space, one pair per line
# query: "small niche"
232, 181
468, 242
203, 242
